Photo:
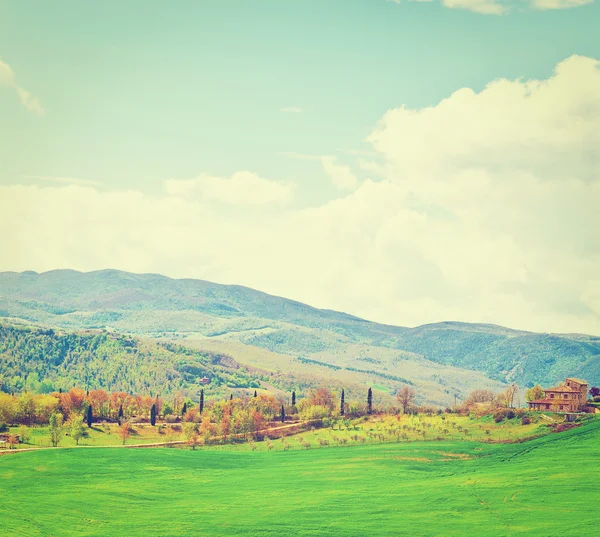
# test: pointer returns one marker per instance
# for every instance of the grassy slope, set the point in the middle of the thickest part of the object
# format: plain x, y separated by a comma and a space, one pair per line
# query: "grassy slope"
434, 383
545, 487
376, 430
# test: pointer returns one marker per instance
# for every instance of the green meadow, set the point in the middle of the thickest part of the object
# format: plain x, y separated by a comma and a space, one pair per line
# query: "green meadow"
345, 432
548, 486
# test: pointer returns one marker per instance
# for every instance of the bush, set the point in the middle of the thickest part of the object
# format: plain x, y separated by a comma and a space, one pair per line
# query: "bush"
597, 398
525, 420
506, 413
3, 428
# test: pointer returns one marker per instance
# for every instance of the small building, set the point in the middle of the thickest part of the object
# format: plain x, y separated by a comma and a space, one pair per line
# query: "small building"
570, 397
204, 380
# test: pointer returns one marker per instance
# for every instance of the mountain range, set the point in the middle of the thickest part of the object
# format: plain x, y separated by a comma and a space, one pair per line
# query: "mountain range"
442, 360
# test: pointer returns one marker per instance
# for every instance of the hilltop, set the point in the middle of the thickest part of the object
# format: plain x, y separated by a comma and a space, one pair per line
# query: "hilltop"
442, 359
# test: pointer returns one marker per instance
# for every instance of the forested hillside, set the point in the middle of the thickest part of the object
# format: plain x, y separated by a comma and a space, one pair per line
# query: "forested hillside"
46, 360
195, 310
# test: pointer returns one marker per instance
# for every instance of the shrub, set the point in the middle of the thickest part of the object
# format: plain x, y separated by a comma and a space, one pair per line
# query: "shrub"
525, 420
3, 427
561, 427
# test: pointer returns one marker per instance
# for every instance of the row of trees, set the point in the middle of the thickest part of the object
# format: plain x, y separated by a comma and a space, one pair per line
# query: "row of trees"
243, 414
35, 409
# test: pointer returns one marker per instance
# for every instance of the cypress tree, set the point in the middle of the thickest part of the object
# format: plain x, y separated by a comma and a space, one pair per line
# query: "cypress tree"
231, 397
342, 404
294, 398
120, 412
255, 394
89, 416
153, 415
282, 414
201, 401
370, 401
184, 409
60, 390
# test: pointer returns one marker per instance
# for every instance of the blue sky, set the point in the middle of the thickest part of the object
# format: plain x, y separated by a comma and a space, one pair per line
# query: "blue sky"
133, 94
138, 92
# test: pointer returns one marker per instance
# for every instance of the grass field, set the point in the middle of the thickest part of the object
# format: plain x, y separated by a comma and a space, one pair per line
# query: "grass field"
358, 431
546, 487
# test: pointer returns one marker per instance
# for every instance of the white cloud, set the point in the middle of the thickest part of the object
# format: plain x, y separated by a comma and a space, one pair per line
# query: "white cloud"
559, 4
487, 212
242, 188
485, 7
291, 109
499, 7
9, 79
548, 128
341, 176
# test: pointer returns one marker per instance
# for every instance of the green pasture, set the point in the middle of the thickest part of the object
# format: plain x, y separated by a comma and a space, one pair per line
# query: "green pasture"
342, 432
548, 486
97, 435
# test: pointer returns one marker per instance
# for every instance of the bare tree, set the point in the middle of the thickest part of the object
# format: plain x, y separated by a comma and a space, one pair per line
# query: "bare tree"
406, 396
480, 396
509, 395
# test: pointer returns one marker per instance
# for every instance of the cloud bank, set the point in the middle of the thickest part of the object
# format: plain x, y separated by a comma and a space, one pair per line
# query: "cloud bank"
487, 211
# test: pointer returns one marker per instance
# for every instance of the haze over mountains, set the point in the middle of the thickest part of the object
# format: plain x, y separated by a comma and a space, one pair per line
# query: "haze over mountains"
257, 329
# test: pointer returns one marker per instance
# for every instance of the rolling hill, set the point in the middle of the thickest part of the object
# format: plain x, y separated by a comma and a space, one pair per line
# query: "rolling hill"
441, 359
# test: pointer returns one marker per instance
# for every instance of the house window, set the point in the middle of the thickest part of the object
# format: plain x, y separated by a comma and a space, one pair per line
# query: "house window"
551, 396
566, 396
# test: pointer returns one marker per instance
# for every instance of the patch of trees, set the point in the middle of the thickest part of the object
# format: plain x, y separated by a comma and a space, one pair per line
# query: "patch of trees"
44, 361
380, 374
317, 362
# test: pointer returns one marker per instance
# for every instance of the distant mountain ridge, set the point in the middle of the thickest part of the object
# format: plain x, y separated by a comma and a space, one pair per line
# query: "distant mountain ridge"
158, 306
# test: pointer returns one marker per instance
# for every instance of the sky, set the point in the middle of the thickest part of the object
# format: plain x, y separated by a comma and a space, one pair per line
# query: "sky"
405, 161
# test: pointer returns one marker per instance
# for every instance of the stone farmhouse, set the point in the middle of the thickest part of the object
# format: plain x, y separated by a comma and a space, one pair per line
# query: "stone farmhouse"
570, 397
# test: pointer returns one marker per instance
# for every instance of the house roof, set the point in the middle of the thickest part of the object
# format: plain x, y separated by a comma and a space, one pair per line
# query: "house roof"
577, 381
555, 402
561, 389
